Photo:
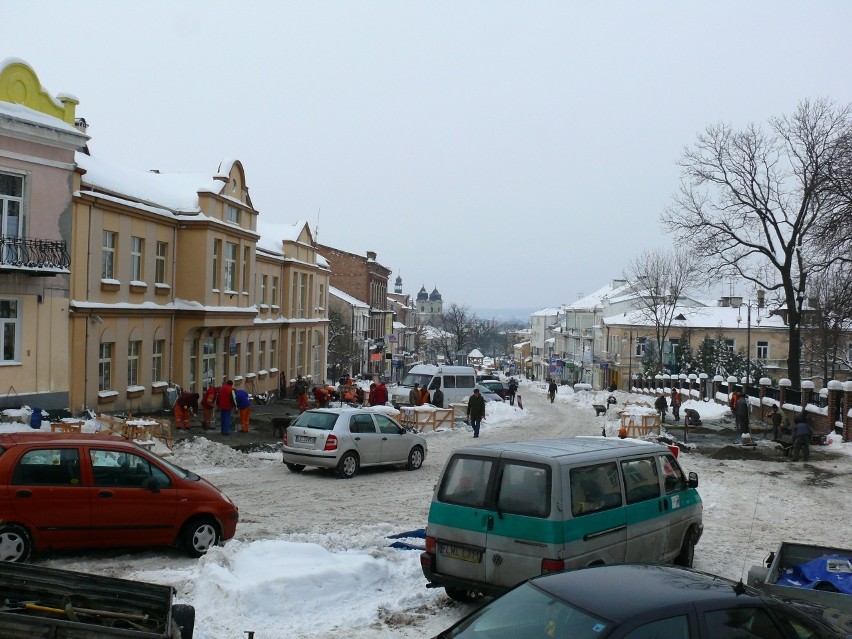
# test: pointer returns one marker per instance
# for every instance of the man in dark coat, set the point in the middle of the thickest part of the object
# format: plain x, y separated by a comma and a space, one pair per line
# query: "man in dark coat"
438, 398
662, 407
801, 437
475, 410
551, 391
513, 388
742, 413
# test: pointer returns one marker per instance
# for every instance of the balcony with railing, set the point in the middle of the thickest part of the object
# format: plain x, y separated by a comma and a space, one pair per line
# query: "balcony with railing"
33, 256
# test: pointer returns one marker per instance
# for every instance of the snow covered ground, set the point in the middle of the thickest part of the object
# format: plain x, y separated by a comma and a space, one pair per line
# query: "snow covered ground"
312, 556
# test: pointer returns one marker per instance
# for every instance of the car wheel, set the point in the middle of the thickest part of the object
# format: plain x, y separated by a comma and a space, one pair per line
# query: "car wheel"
687, 550
462, 595
15, 543
184, 617
199, 536
415, 458
296, 468
348, 465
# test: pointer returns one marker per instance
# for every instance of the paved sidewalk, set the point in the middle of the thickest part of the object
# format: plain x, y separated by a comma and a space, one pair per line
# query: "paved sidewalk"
260, 426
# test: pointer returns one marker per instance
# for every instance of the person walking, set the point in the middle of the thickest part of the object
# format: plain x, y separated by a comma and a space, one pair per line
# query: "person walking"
513, 388
802, 437
551, 390
226, 402
475, 410
208, 403
676, 400
742, 410
414, 396
186, 404
662, 407
300, 390
438, 398
241, 399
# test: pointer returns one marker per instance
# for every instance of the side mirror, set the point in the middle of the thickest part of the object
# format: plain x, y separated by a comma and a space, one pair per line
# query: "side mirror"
151, 484
692, 480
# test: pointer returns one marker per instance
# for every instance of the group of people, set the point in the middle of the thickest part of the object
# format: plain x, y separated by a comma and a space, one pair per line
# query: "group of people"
226, 399
801, 432
662, 405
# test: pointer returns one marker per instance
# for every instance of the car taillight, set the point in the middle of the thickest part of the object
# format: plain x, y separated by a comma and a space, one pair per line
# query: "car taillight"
552, 565
285, 436
331, 443
431, 545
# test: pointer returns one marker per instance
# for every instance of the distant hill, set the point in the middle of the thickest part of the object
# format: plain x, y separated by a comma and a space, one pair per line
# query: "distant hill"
505, 314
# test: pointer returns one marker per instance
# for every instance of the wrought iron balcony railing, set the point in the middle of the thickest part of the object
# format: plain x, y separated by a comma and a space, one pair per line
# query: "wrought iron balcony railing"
36, 256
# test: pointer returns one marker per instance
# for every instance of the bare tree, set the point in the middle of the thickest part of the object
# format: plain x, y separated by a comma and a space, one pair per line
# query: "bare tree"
343, 350
660, 279
460, 323
828, 321
751, 203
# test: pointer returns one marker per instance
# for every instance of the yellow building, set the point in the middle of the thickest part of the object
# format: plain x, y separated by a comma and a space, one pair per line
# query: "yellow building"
38, 139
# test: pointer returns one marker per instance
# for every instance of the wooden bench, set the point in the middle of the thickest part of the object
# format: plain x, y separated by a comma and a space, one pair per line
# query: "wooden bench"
66, 427
600, 409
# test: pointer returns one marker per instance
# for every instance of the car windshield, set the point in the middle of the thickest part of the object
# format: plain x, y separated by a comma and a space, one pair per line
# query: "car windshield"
183, 473
527, 612
317, 420
416, 378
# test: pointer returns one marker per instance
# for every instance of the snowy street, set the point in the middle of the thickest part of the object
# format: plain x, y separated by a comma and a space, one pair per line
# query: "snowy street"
311, 556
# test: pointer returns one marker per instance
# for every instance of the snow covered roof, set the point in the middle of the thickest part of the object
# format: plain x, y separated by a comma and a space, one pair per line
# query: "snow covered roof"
31, 116
595, 300
177, 192
701, 317
348, 299
546, 312
399, 325
475, 353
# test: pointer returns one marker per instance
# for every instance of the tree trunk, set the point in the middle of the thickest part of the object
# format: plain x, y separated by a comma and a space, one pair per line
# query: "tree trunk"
794, 357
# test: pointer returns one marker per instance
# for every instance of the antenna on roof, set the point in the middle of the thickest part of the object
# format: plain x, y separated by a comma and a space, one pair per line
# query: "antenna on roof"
316, 227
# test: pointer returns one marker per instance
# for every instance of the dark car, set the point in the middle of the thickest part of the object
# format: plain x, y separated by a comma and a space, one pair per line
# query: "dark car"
496, 386
642, 601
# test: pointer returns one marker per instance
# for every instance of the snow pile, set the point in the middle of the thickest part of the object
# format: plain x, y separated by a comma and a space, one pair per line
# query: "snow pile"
200, 452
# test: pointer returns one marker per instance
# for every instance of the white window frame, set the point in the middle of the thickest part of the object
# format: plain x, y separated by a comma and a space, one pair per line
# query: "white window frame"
232, 214
246, 271
13, 324
263, 280
217, 250
208, 359
137, 258
157, 352
762, 346
273, 294
133, 350
110, 239
230, 266
105, 366
249, 357
160, 262
12, 208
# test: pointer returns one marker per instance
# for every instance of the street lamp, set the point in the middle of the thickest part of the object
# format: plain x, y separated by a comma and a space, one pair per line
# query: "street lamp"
748, 341
630, 361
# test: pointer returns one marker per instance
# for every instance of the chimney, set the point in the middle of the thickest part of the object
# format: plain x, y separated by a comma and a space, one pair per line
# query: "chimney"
371, 256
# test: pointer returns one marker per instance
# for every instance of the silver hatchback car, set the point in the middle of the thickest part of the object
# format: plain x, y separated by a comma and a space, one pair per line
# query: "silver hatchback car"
347, 438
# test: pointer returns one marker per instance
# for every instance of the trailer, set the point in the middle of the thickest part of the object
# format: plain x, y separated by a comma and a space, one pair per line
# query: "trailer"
819, 574
61, 604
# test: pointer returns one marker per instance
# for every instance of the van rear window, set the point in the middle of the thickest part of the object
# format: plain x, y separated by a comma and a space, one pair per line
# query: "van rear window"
466, 481
524, 490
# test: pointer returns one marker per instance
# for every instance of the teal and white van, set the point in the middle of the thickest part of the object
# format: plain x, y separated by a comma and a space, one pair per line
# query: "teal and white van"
502, 513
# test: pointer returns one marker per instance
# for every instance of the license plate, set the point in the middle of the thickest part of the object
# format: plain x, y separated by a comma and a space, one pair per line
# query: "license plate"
472, 555
304, 439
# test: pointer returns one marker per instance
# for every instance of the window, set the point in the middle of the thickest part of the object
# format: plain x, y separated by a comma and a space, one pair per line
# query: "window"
245, 268
133, 349
136, 254
119, 468
361, 425
208, 360
157, 360
674, 479
763, 350
594, 488
640, 347
263, 289
9, 331
230, 266
321, 296
273, 354
273, 294
524, 490
232, 214
105, 366
640, 479
249, 357
160, 264
466, 481
301, 294
261, 357
387, 426
11, 202
217, 250
48, 467
108, 256
729, 344
730, 624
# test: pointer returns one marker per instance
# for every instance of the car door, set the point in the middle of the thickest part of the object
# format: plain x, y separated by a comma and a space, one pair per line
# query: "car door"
396, 443
126, 510
678, 507
48, 496
523, 529
646, 525
365, 437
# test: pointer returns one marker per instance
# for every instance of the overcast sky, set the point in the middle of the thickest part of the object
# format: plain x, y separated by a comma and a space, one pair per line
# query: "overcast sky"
513, 154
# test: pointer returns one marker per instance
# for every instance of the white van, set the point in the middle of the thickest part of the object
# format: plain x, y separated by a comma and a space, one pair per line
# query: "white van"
456, 382
502, 513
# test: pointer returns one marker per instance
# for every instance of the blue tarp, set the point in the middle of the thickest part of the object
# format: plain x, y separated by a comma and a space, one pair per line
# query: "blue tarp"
410, 540
829, 572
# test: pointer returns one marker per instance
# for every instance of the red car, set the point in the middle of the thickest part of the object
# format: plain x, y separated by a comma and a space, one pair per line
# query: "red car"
70, 491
